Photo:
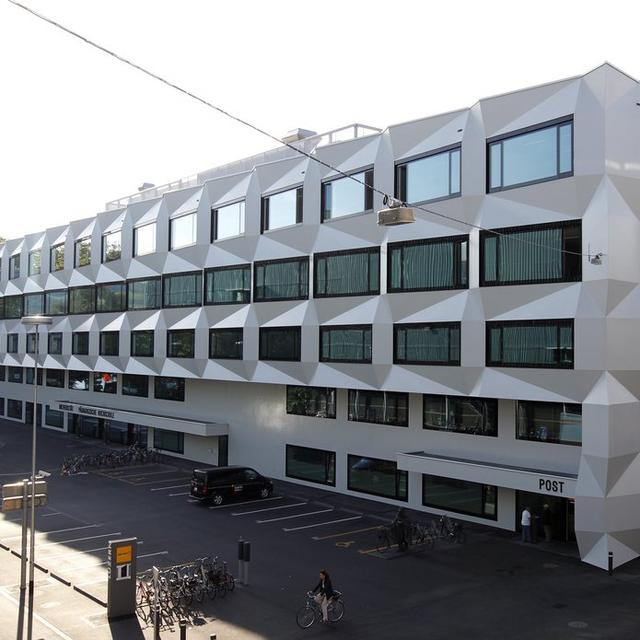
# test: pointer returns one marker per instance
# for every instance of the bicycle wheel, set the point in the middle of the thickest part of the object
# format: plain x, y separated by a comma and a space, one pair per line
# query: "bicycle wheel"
199, 593
383, 542
211, 590
222, 588
305, 617
335, 611
429, 541
231, 582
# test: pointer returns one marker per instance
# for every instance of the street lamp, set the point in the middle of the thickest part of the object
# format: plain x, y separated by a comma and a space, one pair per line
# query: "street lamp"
396, 213
33, 321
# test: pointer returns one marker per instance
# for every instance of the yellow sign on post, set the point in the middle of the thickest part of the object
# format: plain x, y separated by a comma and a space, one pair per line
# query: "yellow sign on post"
124, 554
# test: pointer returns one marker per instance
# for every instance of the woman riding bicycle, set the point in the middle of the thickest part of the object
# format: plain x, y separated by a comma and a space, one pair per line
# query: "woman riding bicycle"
323, 593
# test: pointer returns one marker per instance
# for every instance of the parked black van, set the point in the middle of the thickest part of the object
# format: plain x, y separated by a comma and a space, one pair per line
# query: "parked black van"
218, 484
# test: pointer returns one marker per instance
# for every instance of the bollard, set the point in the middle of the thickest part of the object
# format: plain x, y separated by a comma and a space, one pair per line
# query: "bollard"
610, 563
240, 559
183, 629
246, 556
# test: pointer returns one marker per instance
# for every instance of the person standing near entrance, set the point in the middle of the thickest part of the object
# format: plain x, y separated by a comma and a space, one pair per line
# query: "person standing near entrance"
547, 519
525, 521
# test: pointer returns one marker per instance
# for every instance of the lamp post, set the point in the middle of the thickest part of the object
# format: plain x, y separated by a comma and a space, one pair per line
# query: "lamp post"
33, 321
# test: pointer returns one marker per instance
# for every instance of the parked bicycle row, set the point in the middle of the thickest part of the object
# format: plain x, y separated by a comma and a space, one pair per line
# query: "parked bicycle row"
176, 589
403, 533
134, 454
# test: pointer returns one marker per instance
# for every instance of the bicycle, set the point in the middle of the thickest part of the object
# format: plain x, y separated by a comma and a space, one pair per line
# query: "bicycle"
312, 611
422, 536
451, 530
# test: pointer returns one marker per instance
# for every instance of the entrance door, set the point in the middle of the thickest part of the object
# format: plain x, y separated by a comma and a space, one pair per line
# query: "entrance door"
223, 451
28, 414
562, 513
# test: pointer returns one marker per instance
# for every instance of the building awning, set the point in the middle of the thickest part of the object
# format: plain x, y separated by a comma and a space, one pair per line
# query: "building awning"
493, 473
184, 425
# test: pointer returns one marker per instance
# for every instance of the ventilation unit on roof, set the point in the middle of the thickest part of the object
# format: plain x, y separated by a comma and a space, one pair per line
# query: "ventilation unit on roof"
298, 134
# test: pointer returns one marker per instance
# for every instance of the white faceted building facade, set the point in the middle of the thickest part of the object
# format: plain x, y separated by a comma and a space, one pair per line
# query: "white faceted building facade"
505, 376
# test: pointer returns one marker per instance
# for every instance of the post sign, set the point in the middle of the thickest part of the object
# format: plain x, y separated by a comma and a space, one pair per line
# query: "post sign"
551, 486
121, 574
124, 554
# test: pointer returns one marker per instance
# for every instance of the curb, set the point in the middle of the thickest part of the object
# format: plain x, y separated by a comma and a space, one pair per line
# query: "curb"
89, 595
60, 579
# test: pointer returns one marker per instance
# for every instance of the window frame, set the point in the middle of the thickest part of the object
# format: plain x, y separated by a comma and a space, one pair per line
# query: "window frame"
156, 385
214, 220
133, 281
327, 464
189, 332
435, 325
498, 233
399, 472
548, 440
133, 334
264, 207
76, 245
258, 263
47, 311
397, 394
13, 337
106, 335
76, 374
343, 252
213, 270
315, 388
137, 376
194, 272
19, 299
122, 283
555, 122
25, 303
172, 219
74, 350
265, 330
15, 260
447, 398
558, 323
52, 262
213, 331
326, 329
54, 335
93, 296
32, 253
368, 171
134, 239
484, 486
103, 254
456, 240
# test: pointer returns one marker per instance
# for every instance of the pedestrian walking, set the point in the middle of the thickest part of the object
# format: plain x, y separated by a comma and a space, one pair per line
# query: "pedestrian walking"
525, 522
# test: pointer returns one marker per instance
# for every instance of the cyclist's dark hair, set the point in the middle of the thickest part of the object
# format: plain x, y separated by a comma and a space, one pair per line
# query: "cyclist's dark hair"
325, 573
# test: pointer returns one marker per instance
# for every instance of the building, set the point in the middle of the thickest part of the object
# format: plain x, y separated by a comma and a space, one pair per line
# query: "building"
256, 314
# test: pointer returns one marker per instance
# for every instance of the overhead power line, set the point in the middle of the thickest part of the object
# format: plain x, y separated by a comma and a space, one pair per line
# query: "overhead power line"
302, 152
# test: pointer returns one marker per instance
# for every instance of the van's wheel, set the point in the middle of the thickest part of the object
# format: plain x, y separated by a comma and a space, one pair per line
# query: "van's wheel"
217, 500
265, 493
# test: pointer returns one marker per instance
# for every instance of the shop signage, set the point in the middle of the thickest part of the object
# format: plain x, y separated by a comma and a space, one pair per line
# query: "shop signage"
87, 411
551, 486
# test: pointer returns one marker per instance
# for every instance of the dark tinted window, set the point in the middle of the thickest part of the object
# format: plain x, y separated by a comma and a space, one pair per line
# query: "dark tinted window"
280, 343
169, 388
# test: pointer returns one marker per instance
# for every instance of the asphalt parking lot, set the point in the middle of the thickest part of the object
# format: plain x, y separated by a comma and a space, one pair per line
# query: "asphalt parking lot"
491, 587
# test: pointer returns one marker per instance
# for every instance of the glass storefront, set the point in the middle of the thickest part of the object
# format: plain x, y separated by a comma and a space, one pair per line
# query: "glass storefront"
108, 430
562, 515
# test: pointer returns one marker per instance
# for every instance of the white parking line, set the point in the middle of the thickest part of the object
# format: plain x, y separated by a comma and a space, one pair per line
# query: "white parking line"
40, 619
173, 495
55, 513
285, 506
298, 515
46, 533
176, 486
239, 504
71, 553
321, 524
144, 475
104, 535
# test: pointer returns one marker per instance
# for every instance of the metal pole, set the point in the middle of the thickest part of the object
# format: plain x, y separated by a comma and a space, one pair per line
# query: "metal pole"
33, 489
610, 563
23, 561
183, 629
156, 607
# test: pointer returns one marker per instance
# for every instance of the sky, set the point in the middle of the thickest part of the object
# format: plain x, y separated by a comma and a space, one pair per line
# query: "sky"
78, 128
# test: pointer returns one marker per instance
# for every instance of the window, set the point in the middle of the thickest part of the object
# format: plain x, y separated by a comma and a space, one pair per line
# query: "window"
379, 407
1, 406
312, 465
14, 267
428, 265
142, 344
432, 177
168, 440
82, 300
377, 477
78, 380
527, 156
105, 382
460, 496
530, 343
135, 385
112, 246
282, 209
226, 343
280, 343
14, 374
80, 343
144, 239
180, 343
168, 388
82, 252
28, 379
531, 254
14, 409
111, 297
12, 307
557, 422
431, 343
109, 343
316, 402
182, 289
56, 257
351, 343
144, 294
55, 343
182, 231
53, 417
227, 221
33, 304
55, 302
3, 373
12, 343
478, 416
228, 285
35, 260
286, 279
55, 378
344, 196
31, 343
347, 273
